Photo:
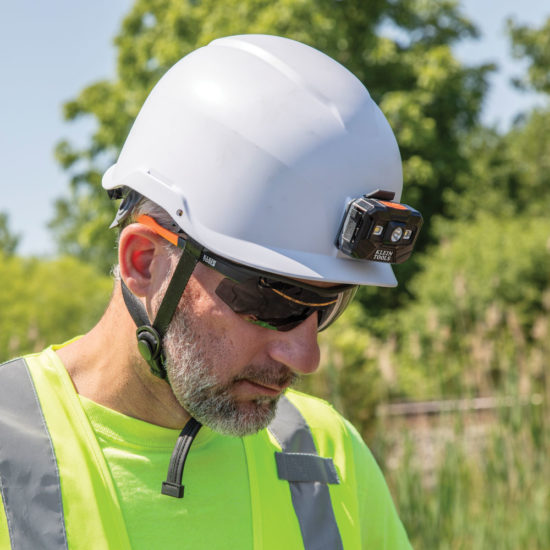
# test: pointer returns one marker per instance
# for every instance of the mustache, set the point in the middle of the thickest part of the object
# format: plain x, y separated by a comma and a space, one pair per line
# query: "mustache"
272, 375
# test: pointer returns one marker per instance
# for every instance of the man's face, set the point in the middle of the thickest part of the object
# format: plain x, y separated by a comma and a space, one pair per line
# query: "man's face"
226, 372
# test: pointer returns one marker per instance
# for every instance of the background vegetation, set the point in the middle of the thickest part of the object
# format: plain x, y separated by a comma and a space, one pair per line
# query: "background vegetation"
471, 318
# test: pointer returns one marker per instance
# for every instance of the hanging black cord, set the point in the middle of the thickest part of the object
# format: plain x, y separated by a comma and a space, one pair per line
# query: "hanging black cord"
173, 487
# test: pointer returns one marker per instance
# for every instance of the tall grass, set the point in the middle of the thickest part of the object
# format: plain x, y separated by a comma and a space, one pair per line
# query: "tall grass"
483, 489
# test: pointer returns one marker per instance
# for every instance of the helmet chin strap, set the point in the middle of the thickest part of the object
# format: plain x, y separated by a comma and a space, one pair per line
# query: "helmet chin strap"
149, 336
149, 339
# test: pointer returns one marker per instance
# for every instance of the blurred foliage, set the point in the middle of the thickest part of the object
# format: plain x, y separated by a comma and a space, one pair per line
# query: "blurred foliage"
484, 262
430, 99
8, 241
534, 45
47, 301
509, 174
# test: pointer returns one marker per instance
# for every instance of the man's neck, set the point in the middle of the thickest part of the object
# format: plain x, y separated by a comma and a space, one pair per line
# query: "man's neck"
105, 366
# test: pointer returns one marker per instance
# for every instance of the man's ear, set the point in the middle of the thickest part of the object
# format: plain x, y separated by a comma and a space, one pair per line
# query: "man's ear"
138, 250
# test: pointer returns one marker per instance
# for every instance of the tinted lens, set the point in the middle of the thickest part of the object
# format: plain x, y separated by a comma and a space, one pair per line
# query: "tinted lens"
282, 305
329, 315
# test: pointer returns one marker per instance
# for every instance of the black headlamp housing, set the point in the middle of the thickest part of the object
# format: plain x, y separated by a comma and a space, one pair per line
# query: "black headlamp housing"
375, 228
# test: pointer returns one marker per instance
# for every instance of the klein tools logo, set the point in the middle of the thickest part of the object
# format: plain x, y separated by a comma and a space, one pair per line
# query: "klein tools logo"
209, 260
383, 255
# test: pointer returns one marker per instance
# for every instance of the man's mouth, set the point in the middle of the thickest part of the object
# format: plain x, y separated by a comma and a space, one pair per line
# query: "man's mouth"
260, 388
263, 382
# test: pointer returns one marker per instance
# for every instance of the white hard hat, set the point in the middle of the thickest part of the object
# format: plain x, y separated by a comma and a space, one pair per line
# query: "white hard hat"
254, 145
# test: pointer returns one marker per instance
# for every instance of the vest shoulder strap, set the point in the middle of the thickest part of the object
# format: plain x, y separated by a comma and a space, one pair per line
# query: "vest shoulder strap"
308, 475
28, 466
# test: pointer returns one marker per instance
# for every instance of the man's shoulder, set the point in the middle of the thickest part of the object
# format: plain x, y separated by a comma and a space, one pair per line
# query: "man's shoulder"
43, 368
26, 360
306, 401
322, 418
20, 362
12, 361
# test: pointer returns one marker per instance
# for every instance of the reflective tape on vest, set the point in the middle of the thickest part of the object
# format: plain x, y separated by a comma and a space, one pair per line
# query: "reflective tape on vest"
308, 475
29, 478
306, 467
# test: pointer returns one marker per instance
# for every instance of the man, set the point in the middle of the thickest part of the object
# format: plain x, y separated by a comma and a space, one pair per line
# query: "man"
260, 186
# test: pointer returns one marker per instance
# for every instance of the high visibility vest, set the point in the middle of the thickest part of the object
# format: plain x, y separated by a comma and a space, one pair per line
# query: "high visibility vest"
60, 499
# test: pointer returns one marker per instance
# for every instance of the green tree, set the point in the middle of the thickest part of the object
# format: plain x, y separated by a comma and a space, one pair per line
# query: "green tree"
8, 241
431, 100
482, 300
510, 173
47, 301
534, 45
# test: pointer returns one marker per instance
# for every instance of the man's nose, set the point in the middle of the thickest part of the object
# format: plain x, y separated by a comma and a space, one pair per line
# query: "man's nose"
298, 348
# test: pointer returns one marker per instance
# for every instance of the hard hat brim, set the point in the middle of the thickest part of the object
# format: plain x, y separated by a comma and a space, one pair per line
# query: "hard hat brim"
298, 264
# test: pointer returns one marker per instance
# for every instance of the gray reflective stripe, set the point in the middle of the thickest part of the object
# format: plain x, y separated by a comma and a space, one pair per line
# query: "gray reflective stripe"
306, 467
29, 478
311, 499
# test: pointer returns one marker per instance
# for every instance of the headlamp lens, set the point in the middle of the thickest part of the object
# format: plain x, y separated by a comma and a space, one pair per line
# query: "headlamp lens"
396, 234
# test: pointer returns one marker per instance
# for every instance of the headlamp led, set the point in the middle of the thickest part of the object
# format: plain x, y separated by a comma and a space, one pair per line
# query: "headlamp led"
374, 228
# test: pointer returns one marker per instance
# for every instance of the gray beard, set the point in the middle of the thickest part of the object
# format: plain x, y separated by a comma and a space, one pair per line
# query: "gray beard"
203, 394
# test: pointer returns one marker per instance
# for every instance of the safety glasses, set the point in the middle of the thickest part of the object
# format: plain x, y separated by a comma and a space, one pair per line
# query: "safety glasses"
269, 300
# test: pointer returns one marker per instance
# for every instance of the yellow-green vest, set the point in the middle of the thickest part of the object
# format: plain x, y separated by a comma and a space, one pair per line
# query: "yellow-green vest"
56, 493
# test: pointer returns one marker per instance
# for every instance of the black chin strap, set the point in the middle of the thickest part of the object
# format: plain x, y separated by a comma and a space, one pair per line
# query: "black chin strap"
173, 487
149, 336
149, 339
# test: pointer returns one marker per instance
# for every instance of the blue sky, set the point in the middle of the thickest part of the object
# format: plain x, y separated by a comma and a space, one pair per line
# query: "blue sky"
51, 50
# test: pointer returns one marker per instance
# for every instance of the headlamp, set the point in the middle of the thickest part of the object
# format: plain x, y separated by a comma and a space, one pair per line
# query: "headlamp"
375, 228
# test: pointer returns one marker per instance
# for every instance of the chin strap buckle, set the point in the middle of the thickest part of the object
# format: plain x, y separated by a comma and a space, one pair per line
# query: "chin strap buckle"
173, 487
